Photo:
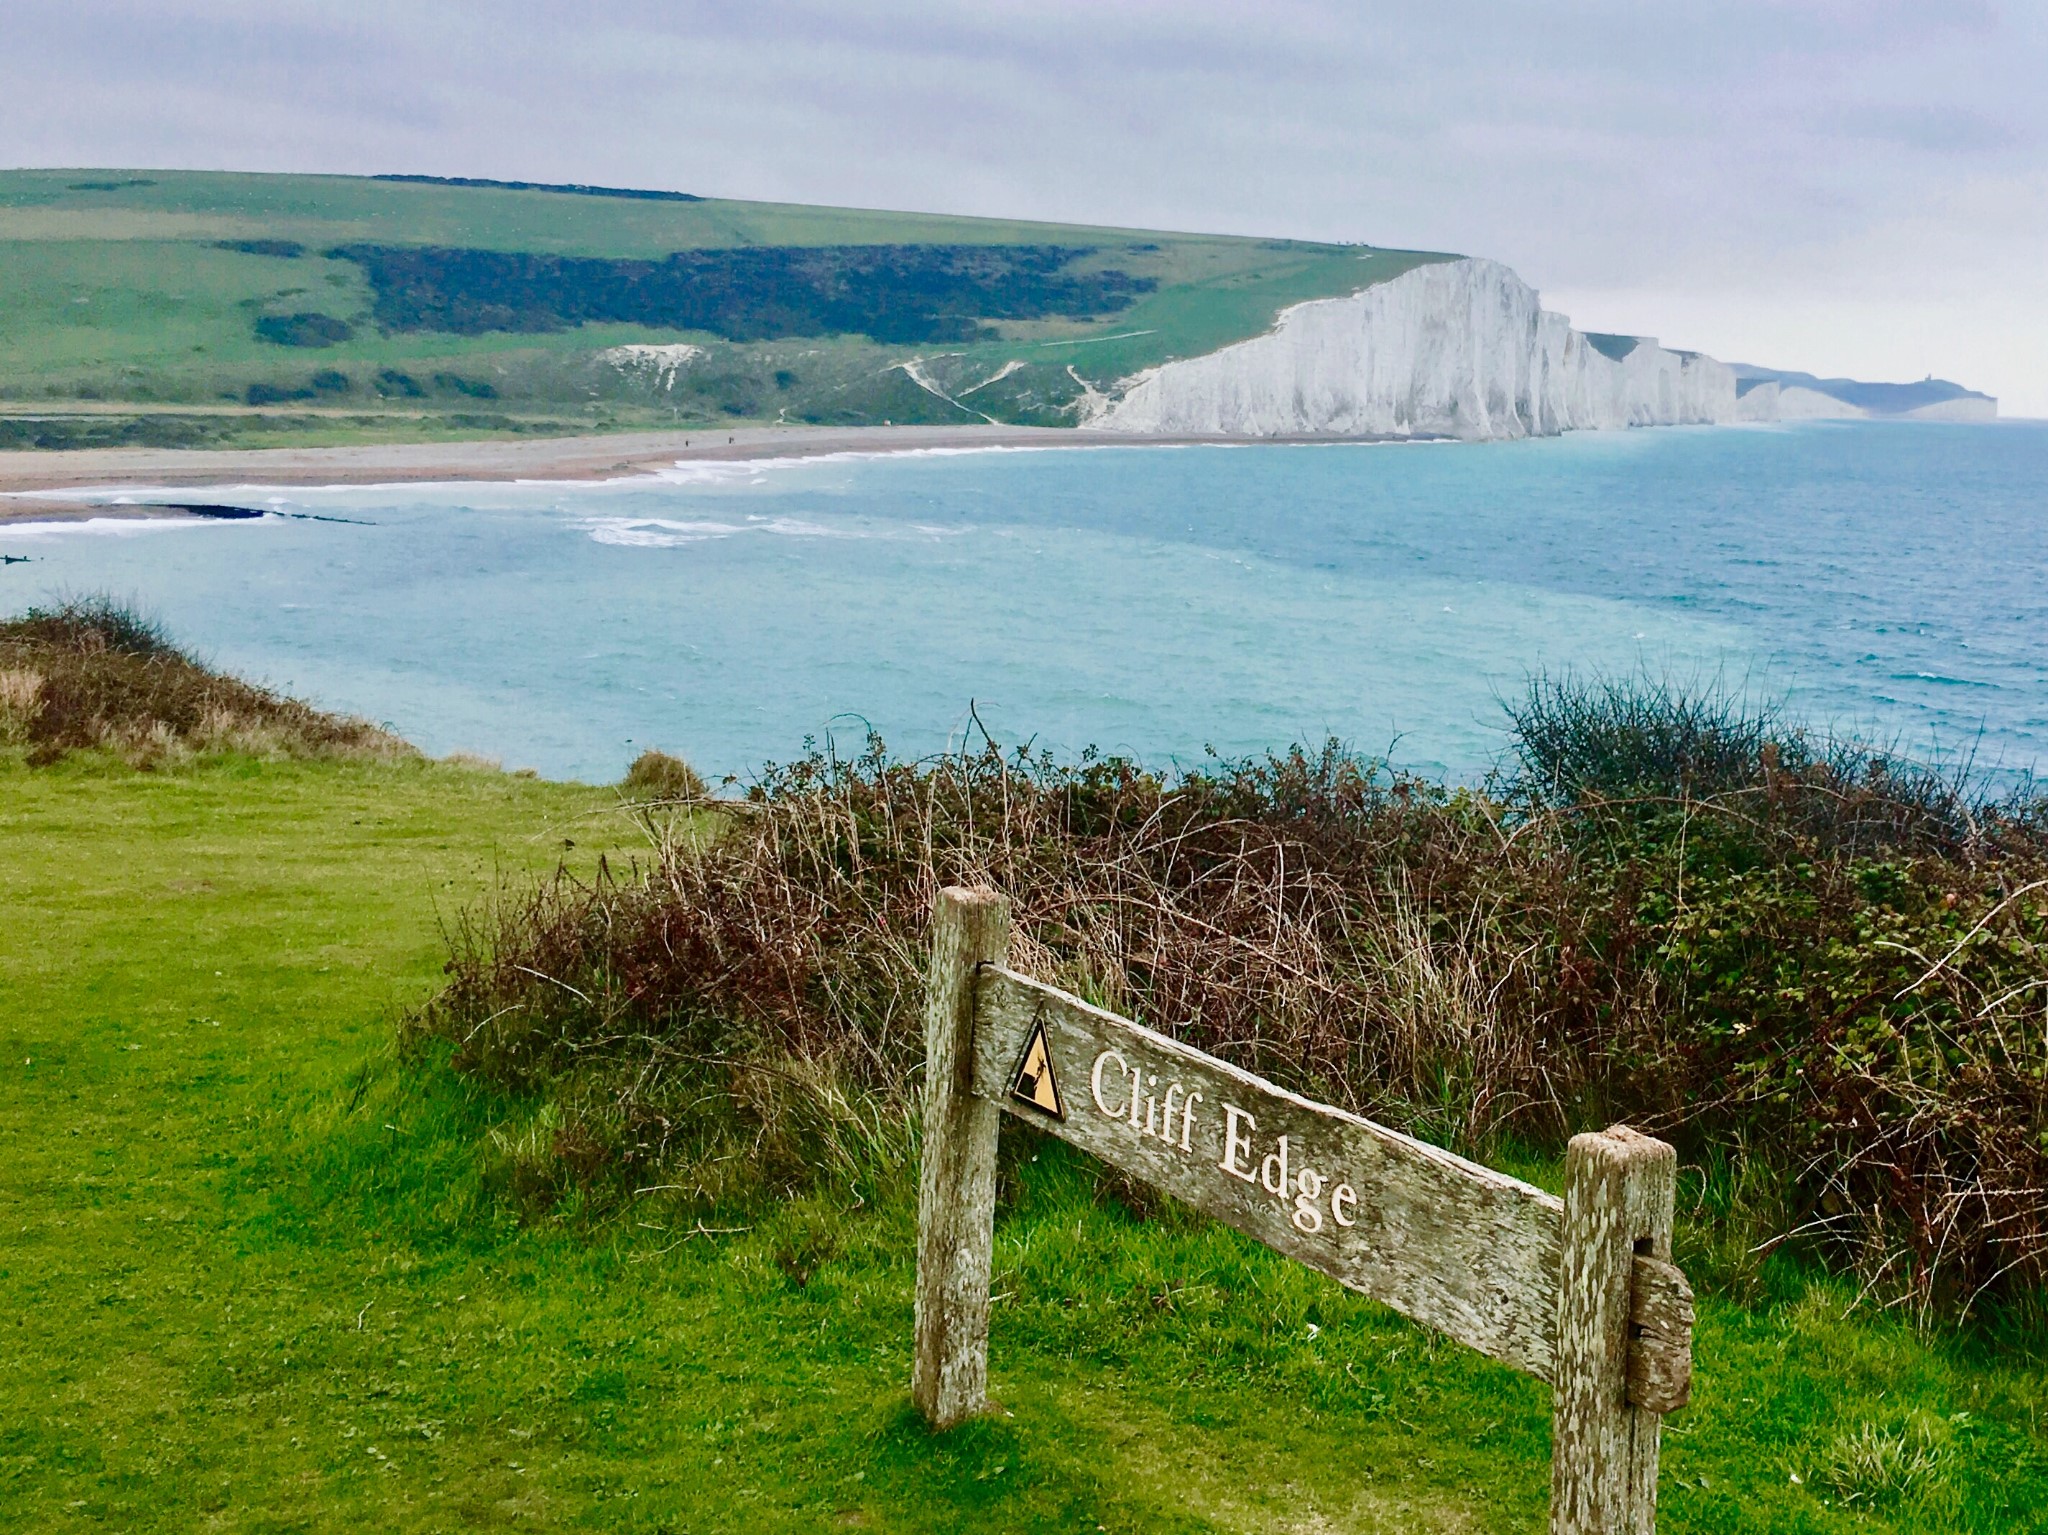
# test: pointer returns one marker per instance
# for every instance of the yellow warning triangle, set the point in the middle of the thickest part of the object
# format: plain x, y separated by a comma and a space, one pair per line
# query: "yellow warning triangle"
1034, 1084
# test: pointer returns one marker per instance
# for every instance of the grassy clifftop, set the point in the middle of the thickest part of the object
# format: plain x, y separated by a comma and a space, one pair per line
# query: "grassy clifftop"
620, 1234
263, 1274
168, 307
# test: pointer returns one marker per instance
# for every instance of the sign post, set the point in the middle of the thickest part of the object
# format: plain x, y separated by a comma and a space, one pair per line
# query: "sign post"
956, 1184
1579, 1292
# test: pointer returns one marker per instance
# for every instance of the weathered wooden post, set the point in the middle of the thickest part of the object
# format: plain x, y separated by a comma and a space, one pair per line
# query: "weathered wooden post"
1619, 1190
956, 1187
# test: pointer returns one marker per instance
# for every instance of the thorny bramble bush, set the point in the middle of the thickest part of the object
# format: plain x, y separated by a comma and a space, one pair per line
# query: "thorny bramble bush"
1759, 947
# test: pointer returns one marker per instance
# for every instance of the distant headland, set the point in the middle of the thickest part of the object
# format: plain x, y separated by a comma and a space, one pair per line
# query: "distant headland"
174, 312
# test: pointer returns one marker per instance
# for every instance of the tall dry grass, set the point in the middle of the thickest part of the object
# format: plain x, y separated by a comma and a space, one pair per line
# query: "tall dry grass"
21, 703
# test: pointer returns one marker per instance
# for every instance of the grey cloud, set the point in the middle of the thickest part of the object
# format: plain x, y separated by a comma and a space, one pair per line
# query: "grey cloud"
1591, 143
1941, 130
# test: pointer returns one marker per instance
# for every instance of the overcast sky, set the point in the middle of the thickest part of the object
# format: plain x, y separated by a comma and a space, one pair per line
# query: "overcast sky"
1854, 187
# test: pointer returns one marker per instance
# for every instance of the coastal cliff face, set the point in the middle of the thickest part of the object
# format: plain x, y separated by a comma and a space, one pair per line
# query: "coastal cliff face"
1973, 408
1458, 349
1454, 349
1789, 402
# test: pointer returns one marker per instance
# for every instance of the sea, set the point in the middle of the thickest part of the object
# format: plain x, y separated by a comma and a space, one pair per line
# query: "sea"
1885, 580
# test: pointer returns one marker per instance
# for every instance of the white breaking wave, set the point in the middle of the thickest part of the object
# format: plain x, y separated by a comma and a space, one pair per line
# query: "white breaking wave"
671, 532
667, 532
115, 527
729, 471
115, 498
653, 533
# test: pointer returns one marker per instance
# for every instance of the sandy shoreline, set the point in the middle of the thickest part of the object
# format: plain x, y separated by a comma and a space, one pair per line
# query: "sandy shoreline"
34, 483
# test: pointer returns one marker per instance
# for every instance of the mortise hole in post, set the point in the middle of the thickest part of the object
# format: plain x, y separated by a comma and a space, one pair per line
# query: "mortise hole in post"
1642, 1249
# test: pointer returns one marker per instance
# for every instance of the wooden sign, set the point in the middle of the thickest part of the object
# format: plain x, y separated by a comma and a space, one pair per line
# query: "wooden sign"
1579, 1291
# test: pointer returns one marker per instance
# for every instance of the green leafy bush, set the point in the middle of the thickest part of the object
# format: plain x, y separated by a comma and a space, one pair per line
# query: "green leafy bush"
314, 330
284, 250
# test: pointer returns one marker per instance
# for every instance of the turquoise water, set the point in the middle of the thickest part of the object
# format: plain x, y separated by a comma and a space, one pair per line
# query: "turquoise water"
1887, 578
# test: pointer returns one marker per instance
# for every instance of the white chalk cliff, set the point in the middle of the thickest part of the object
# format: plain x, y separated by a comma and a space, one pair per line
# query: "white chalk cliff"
1453, 349
1771, 401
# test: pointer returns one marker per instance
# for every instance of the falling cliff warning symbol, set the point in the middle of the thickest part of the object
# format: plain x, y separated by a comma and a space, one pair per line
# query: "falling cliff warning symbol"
1035, 1084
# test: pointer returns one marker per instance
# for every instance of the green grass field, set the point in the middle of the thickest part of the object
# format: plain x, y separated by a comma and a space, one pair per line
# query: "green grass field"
114, 289
260, 1278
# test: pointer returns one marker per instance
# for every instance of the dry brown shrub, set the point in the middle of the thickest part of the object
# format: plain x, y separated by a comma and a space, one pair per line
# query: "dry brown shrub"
1318, 921
109, 680
1721, 969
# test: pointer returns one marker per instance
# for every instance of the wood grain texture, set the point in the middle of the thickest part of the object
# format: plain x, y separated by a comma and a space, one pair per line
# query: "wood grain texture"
956, 1188
1454, 1245
1660, 1340
1620, 1189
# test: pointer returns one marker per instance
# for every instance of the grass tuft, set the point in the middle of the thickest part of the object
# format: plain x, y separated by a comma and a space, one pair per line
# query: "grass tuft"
1875, 1466
655, 775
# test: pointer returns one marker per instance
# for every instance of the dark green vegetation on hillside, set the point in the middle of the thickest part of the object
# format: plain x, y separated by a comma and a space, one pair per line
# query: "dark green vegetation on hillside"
191, 288
268, 428
262, 1275
305, 329
908, 293
573, 188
